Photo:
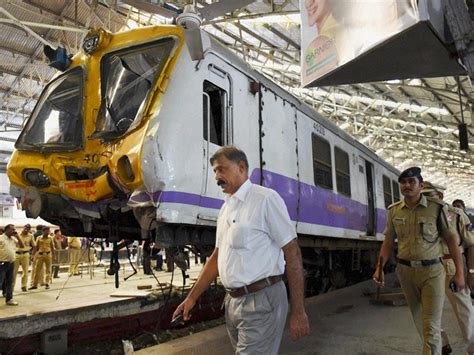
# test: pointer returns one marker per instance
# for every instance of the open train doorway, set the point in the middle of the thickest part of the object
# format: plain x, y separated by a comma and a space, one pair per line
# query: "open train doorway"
369, 178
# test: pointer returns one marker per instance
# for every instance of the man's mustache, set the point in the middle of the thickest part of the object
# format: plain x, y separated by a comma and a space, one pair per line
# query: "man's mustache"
220, 182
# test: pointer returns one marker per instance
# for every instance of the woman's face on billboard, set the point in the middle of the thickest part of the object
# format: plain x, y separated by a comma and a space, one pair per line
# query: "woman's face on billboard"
317, 11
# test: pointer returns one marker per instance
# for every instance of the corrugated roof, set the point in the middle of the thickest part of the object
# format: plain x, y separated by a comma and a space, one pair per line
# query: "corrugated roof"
407, 122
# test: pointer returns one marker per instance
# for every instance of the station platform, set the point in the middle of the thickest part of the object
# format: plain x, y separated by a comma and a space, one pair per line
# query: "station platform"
342, 322
87, 308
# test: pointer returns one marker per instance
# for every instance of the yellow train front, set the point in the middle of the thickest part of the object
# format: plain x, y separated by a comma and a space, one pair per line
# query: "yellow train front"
82, 144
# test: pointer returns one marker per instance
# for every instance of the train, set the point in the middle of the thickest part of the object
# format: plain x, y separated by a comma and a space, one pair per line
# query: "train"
118, 147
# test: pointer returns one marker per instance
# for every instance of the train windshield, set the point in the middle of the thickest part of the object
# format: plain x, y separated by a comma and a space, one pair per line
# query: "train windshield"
127, 80
56, 121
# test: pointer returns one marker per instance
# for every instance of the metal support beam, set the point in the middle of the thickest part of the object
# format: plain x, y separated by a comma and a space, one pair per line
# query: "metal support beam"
26, 28
22, 24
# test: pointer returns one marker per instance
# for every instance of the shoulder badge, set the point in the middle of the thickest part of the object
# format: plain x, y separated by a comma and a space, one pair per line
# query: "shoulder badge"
456, 210
436, 200
394, 204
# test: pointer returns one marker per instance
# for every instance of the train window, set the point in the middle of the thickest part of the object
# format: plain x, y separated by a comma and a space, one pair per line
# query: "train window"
56, 122
322, 165
387, 191
343, 176
396, 191
214, 118
128, 79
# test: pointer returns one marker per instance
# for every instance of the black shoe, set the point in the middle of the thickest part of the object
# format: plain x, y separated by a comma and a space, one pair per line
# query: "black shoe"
23, 289
33, 288
56, 277
46, 286
446, 349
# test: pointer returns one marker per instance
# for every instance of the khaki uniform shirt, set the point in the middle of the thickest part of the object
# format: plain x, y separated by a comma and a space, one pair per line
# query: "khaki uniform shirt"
28, 242
458, 221
7, 248
44, 244
417, 229
74, 242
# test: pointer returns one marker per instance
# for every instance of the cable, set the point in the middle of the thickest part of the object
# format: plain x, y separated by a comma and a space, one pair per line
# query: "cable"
131, 264
64, 285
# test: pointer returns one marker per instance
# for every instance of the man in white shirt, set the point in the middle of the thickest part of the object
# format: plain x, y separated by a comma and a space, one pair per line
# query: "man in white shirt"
7, 260
255, 243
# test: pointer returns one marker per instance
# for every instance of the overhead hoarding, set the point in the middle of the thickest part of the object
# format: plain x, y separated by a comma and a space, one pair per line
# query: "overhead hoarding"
335, 32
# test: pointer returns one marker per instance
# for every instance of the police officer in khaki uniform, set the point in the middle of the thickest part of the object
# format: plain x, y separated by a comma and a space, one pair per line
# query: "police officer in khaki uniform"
74, 247
45, 252
461, 300
36, 235
469, 230
22, 256
418, 222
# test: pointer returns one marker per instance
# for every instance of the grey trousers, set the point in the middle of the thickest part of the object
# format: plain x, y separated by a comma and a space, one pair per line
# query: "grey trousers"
255, 322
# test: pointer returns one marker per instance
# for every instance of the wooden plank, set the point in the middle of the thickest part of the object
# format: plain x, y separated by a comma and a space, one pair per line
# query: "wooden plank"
130, 293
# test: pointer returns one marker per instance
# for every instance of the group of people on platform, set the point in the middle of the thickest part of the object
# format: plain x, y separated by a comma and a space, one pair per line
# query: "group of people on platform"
41, 250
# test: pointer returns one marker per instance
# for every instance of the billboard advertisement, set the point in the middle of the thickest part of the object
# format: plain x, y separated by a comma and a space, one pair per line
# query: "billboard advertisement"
333, 32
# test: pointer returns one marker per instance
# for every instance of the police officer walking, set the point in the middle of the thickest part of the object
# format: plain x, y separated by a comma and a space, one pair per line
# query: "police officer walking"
418, 222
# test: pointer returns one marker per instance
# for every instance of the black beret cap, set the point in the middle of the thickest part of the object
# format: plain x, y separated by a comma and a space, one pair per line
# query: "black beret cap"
414, 171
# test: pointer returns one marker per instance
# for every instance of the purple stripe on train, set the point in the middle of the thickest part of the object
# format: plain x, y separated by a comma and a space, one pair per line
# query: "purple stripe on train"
187, 198
317, 205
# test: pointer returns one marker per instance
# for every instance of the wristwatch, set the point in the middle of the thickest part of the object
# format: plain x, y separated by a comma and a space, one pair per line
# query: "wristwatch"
470, 271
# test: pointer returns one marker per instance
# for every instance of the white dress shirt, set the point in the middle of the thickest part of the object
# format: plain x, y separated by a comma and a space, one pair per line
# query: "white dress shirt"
252, 227
7, 248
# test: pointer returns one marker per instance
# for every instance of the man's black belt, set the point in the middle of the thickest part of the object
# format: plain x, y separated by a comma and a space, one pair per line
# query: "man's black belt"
418, 263
23, 252
254, 287
44, 253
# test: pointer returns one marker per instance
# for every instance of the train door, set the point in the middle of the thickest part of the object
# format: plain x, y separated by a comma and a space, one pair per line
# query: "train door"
371, 218
230, 116
217, 128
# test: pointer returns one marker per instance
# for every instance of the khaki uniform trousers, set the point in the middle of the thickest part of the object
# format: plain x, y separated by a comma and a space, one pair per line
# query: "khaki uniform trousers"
34, 269
74, 258
424, 291
24, 261
45, 260
462, 306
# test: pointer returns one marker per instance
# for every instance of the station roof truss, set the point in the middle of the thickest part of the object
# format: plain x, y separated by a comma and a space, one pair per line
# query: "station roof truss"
406, 122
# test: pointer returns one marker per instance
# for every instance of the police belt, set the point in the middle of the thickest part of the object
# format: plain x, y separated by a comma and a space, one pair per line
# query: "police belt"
22, 252
418, 263
254, 287
44, 252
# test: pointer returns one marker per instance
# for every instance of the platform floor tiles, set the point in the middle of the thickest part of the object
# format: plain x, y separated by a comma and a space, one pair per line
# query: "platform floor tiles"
84, 290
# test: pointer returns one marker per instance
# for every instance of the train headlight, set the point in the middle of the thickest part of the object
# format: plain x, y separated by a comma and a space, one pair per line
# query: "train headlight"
90, 43
36, 177
96, 39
